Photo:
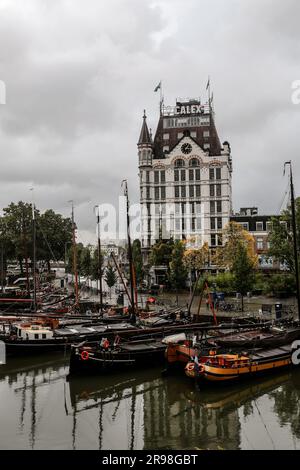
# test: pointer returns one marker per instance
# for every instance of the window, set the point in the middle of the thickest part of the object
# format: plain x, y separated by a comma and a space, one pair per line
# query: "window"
44, 336
176, 175
206, 146
260, 243
212, 207
36, 336
163, 192
197, 173
198, 190
245, 225
206, 134
176, 191
218, 173
166, 148
194, 162
218, 190
191, 175
179, 135
212, 190
219, 206
220, 240
211, 173
163, 176
156, 193
213, 239
269, 226
193, 224
192, 208
192, 192
183, 191
182, 175
166, 136
213, 224
148, 193
147, 177
194, 134
259, 226
156, 177
220, 223
179, 163
284, 224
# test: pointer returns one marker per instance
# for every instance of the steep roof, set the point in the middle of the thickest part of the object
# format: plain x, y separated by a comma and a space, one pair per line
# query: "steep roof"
145, 137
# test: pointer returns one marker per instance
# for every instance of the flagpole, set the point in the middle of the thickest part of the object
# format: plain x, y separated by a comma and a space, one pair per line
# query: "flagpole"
161, 98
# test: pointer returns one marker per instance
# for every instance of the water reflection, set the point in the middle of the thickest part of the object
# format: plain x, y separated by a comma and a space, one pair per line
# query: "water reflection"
40, 409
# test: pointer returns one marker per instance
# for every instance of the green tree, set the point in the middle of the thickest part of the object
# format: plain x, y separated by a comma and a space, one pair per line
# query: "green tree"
53, 233
243, 270
138, 260
178, 273
17, 219
161, 253
281, 237
110, 277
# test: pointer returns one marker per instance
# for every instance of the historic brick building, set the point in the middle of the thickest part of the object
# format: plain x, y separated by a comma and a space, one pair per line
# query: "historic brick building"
259, 226
185, 177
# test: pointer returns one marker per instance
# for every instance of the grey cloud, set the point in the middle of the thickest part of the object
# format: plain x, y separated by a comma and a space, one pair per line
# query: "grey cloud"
79, 75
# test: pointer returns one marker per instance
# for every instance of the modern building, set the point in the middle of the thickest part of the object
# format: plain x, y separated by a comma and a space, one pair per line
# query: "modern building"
185, 177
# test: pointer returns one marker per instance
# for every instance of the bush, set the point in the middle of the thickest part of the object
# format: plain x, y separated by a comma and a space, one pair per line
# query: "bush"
280, 285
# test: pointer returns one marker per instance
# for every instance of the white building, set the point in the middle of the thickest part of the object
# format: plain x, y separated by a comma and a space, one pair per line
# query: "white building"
185, 177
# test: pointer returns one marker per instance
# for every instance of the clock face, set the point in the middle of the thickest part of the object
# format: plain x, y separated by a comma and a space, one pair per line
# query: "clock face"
186, 148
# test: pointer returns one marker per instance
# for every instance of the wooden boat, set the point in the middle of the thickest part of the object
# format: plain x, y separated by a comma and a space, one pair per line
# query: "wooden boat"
106, 357
263, 337
228, 367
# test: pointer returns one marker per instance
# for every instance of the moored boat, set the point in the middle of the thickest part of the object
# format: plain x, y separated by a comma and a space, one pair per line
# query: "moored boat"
229, 367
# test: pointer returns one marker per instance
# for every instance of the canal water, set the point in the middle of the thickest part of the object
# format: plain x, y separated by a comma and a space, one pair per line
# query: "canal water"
41, 409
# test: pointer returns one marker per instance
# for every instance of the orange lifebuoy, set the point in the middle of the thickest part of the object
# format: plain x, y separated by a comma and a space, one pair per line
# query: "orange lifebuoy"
85, 355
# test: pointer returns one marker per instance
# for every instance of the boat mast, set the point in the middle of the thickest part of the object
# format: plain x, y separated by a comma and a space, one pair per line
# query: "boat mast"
74, 257
294, 226
34, 256
99, 260
129, 251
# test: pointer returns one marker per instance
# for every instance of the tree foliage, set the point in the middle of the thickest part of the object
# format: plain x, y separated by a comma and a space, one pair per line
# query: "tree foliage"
281, 237
53, 231
138, 260
234, 237
178, 273
196, 259
161, 253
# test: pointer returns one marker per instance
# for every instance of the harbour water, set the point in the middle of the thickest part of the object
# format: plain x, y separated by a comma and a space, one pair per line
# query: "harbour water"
41, 409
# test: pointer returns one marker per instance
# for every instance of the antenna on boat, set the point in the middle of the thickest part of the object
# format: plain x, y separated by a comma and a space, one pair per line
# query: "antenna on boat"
294, 226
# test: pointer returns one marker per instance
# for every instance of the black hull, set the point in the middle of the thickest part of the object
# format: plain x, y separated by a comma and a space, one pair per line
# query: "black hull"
106, 363
35, 347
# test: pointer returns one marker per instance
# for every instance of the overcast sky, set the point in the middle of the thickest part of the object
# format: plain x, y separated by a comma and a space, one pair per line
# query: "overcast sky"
79, 74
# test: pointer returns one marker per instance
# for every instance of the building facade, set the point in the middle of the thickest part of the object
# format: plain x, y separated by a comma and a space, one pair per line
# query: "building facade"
185, 177
259, 226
